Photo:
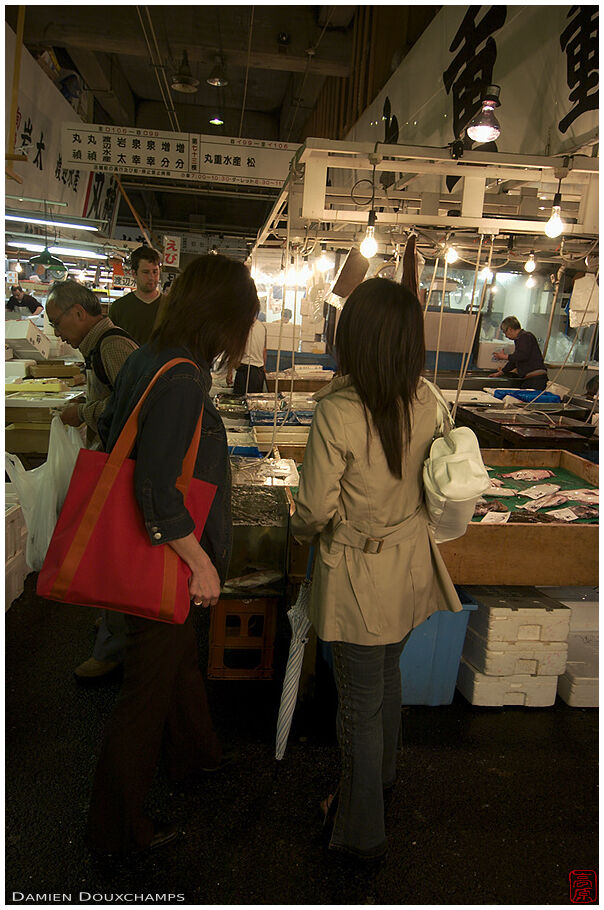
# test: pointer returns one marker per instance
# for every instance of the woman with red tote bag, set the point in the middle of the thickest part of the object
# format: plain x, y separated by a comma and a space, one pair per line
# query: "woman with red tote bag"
207, 314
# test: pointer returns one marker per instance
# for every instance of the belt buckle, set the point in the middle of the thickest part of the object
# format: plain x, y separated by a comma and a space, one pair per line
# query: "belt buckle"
371, 540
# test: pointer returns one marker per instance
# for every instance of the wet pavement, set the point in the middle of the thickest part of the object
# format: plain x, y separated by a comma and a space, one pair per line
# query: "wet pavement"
492, 805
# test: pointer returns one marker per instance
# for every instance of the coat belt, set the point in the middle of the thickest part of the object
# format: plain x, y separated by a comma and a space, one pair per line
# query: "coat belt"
343, 532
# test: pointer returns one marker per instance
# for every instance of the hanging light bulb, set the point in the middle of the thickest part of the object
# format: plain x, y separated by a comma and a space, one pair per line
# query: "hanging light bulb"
18, 267
530, 282
323, 263
451, 255
217, 120
554, 226
486, 274
218, 77
369, 245
530, 265
484, 127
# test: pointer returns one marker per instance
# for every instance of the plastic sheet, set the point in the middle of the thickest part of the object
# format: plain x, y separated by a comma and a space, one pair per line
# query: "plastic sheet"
270, 472
259, 506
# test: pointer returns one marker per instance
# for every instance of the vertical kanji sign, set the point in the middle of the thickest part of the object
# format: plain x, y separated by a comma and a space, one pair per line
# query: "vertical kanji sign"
171, 252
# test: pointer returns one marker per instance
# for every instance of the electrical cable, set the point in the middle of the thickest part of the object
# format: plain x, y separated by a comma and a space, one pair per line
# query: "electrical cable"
310, 54
247, 70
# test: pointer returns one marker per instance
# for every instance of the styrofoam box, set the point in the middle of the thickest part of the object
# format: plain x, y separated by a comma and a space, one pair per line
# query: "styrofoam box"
15, 531
27, 340
17, 369
521, 689
508, 658
486, 349
578, 686
16, 572
518, 614
583, 604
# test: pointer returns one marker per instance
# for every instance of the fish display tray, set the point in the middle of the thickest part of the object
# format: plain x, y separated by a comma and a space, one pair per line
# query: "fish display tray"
505, 658
530, 554
578, 686
522, 689
514, 614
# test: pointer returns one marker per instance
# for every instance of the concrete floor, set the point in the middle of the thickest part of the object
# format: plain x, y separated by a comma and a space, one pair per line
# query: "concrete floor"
492, 805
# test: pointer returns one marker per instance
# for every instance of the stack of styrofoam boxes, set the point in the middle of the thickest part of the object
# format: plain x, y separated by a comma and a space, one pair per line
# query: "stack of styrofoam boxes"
578, 686
15, 540
515, 648
288, 335
312, 329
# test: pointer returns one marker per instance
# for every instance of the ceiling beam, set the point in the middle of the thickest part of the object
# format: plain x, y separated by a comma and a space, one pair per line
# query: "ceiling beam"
105, 79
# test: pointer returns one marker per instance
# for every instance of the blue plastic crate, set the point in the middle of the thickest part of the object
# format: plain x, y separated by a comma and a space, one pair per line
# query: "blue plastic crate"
430, 659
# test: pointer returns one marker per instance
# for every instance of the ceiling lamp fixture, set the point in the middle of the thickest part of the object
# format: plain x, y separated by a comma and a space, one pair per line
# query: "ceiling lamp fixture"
217, 120
218, 76
183, 81
369, 245
484, 127
530, 265
554, 226
49, 261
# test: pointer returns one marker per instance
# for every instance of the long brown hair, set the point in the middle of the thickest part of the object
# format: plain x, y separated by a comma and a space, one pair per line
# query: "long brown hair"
210, 309
380, 344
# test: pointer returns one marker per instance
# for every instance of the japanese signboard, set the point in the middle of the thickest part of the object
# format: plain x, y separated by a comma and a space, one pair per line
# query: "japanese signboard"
171, 252
544, 58
179, 156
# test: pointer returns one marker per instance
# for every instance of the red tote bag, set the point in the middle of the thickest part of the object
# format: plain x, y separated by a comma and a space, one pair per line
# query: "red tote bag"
100, 554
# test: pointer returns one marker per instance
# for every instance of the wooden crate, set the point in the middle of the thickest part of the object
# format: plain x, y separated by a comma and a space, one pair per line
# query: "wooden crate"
242, 629
515, 554
25, 437
527, 554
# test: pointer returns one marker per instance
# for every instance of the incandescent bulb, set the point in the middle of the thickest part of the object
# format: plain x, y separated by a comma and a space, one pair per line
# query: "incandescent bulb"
554, 226
530, 282
451, 255
18, 267
486, 274
530, 265
369, 245
485, 126
323, 263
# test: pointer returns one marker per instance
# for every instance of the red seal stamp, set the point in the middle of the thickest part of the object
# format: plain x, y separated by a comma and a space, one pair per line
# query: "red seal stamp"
583, 886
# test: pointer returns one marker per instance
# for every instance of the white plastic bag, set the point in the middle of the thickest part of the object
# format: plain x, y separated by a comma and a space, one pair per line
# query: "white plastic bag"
42, 491
454, 477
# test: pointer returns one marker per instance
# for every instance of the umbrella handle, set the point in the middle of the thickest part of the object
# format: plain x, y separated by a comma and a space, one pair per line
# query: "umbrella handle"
309, 564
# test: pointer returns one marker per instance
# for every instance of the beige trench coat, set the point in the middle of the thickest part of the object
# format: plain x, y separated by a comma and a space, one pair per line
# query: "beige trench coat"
378, 572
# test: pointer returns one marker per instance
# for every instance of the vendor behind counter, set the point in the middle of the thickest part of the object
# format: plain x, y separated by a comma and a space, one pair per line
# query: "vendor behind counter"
19, 301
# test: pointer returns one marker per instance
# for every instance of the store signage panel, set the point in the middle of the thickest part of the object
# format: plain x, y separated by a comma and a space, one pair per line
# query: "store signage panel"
40, 110
179, 156
171, 258
544, 58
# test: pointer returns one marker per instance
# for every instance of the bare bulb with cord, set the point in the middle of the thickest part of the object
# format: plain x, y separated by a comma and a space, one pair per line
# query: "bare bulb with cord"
369, 245
530, 282
18, 267
530, 265
484, 127
554, 226
451, 255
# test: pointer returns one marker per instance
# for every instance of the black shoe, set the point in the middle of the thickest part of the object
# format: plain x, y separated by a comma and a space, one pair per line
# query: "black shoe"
164, 834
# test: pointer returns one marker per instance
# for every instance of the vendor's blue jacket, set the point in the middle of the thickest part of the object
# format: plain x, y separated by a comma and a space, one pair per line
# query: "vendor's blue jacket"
166, 425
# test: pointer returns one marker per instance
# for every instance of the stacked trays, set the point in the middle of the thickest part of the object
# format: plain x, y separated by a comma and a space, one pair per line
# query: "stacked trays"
578, 686
515, 649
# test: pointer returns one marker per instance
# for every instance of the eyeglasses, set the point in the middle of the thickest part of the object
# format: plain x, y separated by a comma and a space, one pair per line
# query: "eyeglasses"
55, 325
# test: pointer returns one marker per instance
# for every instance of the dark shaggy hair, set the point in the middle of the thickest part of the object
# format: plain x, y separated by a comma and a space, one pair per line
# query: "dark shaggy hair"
510, 322
143, 252
380, 344
210, 309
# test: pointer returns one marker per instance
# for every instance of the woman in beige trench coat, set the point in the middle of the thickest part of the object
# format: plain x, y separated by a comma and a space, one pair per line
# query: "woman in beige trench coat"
378, 572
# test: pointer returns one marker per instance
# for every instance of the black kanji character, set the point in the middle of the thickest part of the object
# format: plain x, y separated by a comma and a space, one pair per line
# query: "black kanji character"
58, 168
121, 142
179, 163
180, 147
236, 161
136, 159
580, 41
208, 159
251, 162
151, 161
121, 158
26, 139
77, 154
150, 144
472, 68
165, 162
136, 143
92, 139
165, 146
217, 159
40, 146
92, 156
76, 138
227, 159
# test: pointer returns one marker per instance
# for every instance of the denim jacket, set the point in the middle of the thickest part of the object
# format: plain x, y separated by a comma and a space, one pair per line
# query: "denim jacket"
166, 425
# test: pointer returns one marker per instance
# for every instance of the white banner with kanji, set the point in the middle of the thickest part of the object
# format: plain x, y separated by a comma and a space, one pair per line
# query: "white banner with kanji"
179, 156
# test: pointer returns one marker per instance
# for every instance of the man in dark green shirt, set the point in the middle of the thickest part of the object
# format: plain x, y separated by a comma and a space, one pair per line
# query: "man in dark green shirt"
136, 312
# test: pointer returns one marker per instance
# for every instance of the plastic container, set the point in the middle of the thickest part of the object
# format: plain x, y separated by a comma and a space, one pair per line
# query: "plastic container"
583, 604
527, 395
430, 659
510, 658
518, 614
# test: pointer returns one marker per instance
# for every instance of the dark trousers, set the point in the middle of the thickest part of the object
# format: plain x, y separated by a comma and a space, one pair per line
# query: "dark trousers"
368, 679
535, 382
243, 384
162, 696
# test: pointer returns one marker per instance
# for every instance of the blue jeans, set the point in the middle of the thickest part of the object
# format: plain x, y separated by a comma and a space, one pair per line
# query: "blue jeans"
368, 722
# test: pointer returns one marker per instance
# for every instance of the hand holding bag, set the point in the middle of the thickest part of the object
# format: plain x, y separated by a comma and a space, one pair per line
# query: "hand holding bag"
100, 554
454, 476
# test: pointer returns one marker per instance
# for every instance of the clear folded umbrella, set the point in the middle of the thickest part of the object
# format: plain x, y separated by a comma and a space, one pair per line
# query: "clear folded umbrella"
300, 623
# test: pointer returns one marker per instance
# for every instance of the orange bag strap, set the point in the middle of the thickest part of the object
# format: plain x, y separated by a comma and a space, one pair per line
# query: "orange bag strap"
122, 449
